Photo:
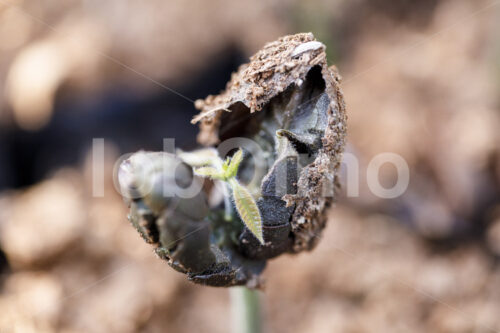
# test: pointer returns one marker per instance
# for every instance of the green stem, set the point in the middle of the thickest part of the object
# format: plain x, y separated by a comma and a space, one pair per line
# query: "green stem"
245, 310
228, 205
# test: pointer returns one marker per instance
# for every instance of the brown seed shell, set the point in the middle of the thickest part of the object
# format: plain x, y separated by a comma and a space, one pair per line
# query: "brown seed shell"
270, 71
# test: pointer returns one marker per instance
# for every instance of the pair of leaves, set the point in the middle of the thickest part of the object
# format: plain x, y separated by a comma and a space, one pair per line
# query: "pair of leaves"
245, 204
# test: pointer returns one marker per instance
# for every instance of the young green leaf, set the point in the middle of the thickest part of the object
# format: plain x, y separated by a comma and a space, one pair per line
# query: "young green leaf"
209, 172
234, 164
225, 165
247, 209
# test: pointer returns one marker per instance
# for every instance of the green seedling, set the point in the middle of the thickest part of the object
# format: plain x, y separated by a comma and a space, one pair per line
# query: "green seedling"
246, 206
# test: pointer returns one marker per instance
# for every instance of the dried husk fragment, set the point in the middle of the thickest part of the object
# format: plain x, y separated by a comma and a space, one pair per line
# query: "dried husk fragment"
288, 76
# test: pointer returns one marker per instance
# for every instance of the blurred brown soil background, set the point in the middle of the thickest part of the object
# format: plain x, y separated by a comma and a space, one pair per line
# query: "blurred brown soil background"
421, 79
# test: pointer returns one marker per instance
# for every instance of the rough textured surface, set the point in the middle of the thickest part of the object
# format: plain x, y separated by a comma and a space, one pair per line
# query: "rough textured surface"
193, 239
271, 71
